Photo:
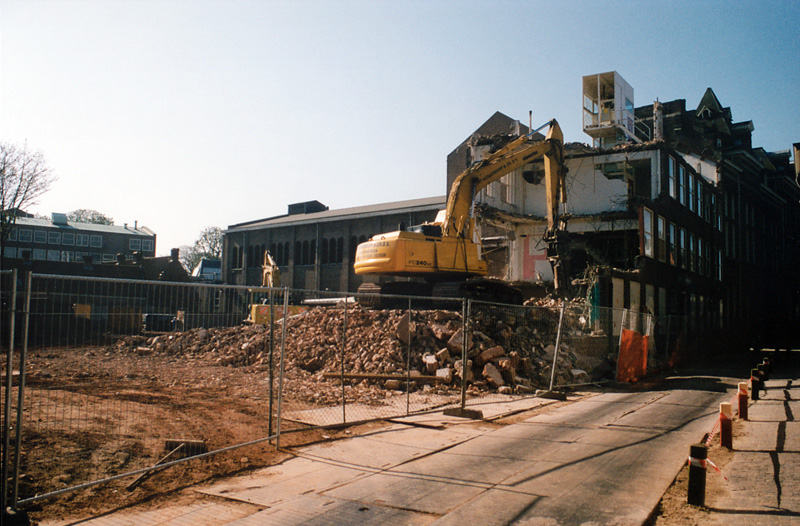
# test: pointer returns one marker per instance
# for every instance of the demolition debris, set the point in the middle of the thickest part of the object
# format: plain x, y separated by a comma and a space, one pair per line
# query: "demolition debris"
388, 350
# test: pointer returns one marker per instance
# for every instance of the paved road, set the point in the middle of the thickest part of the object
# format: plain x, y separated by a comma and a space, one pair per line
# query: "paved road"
604, 460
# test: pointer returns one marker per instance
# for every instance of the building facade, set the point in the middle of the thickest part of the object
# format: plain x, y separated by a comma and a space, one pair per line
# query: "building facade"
58, 240
313, 246
673, 212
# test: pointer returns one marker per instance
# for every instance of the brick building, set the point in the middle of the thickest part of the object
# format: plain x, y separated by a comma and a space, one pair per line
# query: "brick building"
314, 246
57, 240
672, 211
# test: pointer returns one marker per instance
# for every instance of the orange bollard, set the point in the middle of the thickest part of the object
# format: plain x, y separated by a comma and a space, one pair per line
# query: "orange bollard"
726, 425
743, 400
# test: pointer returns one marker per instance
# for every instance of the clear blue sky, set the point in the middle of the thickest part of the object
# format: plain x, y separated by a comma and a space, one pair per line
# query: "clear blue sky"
183, 114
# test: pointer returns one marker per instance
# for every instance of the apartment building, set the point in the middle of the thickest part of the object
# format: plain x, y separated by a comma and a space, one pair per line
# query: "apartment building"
58, 240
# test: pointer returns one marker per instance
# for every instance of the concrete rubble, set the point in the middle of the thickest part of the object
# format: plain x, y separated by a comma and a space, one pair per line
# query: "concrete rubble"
506, 353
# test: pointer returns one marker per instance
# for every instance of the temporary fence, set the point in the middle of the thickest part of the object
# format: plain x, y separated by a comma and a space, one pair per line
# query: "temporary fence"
116, 377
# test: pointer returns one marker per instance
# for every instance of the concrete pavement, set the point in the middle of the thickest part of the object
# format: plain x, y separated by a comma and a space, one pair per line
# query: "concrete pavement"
764, 473
606, 459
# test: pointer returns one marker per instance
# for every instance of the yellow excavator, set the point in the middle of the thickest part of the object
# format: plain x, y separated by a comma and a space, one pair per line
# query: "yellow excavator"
447, 252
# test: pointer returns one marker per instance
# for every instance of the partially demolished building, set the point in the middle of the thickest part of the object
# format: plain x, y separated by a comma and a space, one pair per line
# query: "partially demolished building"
671, 211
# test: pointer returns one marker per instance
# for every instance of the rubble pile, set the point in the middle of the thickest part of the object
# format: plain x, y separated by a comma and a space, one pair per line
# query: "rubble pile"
384, 348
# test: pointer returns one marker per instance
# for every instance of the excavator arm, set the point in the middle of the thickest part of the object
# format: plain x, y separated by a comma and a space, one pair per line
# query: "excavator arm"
457, 220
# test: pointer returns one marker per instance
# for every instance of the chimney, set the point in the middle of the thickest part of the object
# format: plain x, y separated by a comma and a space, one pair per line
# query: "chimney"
136, 224
175, 255
658, 121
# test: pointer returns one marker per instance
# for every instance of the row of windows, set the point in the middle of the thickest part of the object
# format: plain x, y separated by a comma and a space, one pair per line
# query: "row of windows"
331, 251
64, 256
689, 191
26, 235
672, 244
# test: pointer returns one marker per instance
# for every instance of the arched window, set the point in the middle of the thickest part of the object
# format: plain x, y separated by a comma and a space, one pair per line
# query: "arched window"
306, 257
340, 250
286, 253
312, 253
324, 251
298, 253
353, 245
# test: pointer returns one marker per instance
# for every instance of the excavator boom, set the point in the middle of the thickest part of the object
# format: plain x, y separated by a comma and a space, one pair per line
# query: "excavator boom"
447, 249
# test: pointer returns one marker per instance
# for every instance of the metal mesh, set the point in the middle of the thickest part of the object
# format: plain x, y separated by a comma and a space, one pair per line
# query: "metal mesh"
117, 372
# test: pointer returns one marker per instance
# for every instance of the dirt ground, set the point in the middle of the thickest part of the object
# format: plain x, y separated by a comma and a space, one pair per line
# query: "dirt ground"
91, 413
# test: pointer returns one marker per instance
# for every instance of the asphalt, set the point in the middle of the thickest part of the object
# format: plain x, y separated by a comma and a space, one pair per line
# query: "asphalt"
604, 459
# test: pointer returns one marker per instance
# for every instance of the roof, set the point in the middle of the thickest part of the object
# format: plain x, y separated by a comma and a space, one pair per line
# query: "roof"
427, 203
89, 227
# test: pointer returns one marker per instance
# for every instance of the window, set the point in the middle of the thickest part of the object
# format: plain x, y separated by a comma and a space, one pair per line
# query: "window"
701, 257
701, 202
25, 235
80, 255
68, 239
108, 258
719, 265
10, 252
82, 240
324, 251
134, 244
147, 245
692, 253
692, 182
40, 236
39, 254
67, 256
54, 238
53, 255
662, 239
684, 254
673, 248
647, 232
682, 185
96, 241
12, 236
671, 182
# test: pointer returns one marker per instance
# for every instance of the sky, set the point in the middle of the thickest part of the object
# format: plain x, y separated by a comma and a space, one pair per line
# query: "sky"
186, 114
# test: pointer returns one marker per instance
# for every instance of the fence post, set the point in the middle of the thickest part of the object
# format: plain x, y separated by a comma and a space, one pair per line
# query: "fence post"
558, 342
271, 355
9, 384
344, 349
465, 307
283, 362
408, 361
21, 388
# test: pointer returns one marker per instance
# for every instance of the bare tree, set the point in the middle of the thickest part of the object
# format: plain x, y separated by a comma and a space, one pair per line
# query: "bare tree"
208, 245
87, 215
24, 176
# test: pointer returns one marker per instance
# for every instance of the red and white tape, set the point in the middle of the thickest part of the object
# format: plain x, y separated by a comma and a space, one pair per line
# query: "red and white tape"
701, 463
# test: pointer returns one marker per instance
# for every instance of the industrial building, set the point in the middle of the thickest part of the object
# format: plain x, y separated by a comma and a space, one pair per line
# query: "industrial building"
314, 246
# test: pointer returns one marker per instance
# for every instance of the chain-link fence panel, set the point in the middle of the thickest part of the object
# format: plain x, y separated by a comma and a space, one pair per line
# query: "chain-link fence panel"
355, 358
122, 375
